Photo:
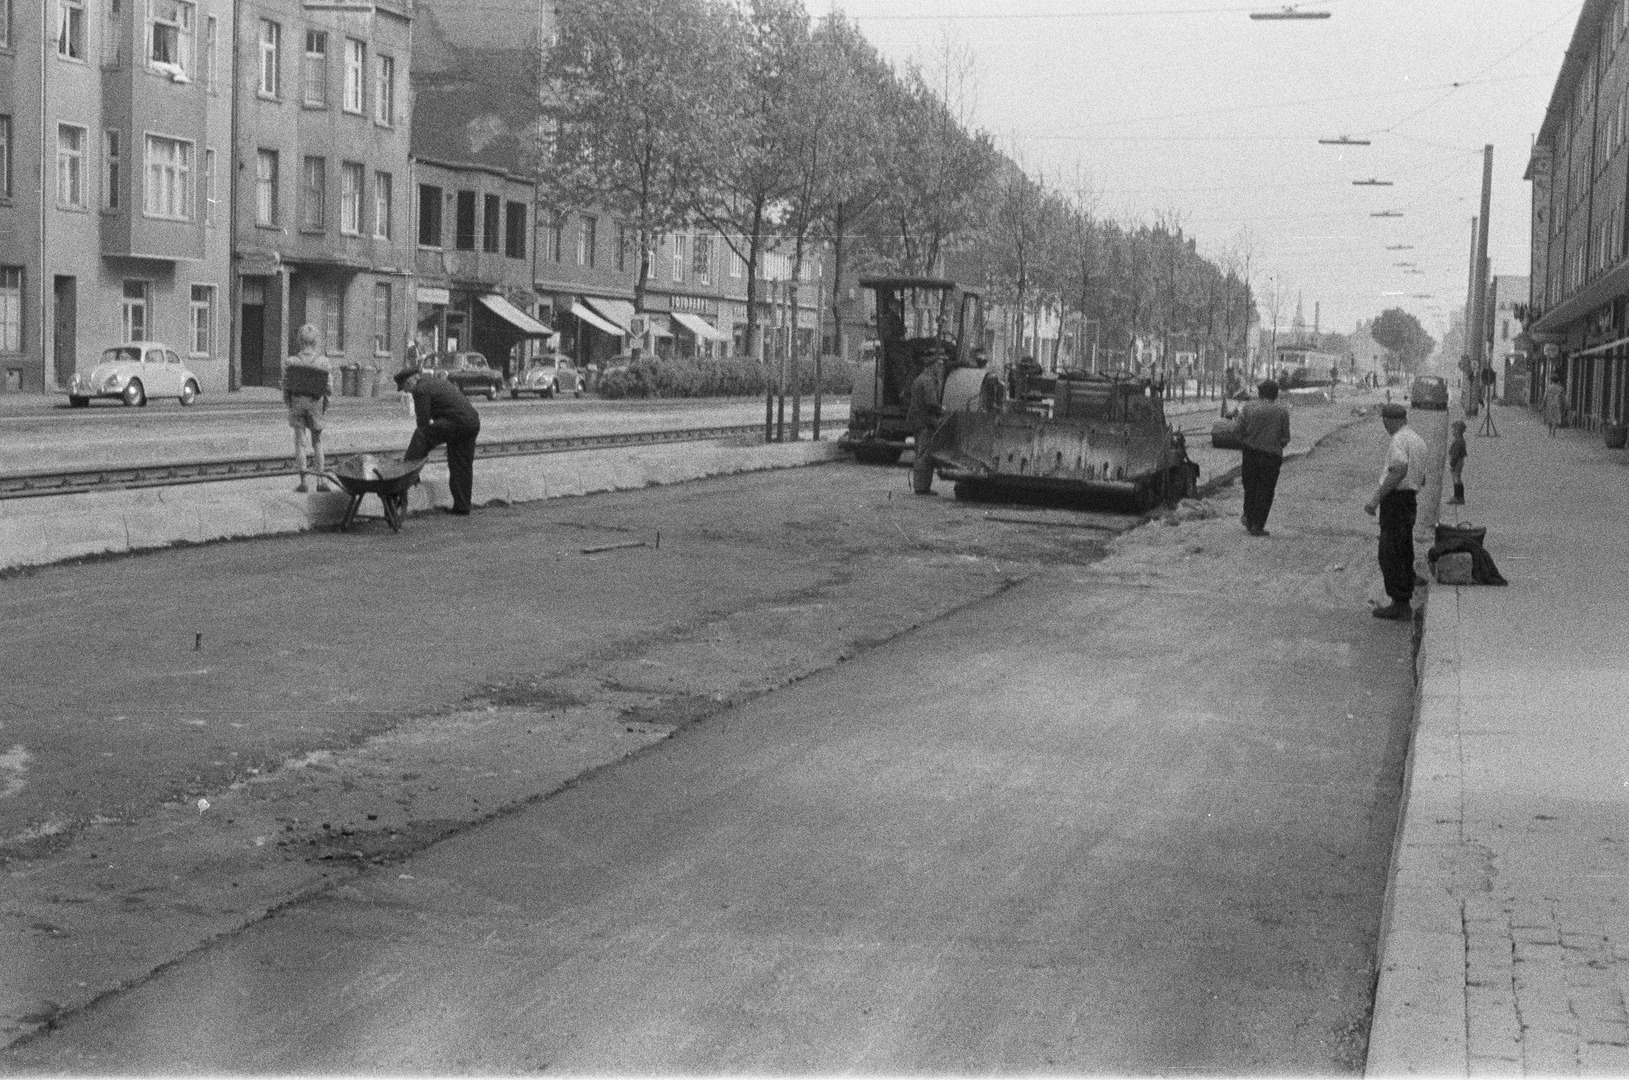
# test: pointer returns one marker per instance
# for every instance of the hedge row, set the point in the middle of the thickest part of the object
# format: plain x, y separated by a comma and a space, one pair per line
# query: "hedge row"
735, 377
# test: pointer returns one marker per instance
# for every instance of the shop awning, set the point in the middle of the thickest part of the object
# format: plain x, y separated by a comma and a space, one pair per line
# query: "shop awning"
619, 312
598, 322
699, 326
515, 317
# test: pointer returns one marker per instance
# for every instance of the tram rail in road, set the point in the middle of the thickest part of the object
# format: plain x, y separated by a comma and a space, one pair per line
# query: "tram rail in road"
40, 484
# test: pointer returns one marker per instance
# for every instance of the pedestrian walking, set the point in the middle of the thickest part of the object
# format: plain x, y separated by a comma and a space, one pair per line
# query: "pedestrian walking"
308, 382
1396, 501
442, 414
1264, 429
1555, 404
1456, 463
922, 416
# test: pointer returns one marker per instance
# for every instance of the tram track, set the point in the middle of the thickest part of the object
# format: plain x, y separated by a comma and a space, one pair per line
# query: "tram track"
80, 481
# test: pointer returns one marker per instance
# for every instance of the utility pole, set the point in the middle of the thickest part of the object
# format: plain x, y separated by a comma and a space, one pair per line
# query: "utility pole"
1470, 302
1479, 267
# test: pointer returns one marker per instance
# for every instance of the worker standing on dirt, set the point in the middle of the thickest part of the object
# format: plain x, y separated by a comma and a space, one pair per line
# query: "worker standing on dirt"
922, 416
1396, 500
442, 414
1264, 429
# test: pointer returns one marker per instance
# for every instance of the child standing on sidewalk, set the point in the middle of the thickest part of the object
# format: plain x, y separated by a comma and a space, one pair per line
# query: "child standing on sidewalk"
1456, 463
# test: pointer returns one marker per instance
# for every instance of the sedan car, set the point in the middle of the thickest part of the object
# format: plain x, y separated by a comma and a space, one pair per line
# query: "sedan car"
1428, 392
133, 373
468, 371
547, 376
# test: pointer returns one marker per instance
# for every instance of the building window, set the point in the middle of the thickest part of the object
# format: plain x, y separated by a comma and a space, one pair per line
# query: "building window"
514, 242
203, 320
5, 154
211, 54
5, 24
381, 318
355, 56
429, 216
134, 310
11, 309
110, 169
350, 198
314, 70
169, 179
738, 265
491, 223
271, 65
557, 238
313, 187
587, 240
169, 38
112, 31
381, 205
702, 264
625, 243
384, 90
209, 187
681, 256
70, 166
464, 236
71, 29
266, 187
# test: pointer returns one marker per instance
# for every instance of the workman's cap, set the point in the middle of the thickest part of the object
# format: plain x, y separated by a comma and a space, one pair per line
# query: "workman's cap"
405, 374
1393, 411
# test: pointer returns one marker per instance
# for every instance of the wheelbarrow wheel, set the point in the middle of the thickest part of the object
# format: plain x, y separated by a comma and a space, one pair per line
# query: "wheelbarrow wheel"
395, 507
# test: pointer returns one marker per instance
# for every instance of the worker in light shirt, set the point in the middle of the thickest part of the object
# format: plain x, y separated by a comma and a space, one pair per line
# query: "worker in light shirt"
1395, 499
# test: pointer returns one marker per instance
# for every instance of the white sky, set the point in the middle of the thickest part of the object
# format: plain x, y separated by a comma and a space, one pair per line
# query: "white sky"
1191, 106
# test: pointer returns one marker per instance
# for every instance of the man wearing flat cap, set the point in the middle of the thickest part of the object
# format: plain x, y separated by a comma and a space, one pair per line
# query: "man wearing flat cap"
442, 414
1395, 500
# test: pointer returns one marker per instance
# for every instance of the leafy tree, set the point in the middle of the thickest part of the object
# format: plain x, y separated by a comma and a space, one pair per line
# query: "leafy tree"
1400, 332
752, 173
636, 110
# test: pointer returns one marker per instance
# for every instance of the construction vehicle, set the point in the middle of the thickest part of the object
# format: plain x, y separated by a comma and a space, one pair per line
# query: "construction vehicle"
1079, 436
917, 319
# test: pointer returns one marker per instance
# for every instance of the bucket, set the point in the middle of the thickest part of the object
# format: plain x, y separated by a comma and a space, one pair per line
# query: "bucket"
1463, 531
1616, 435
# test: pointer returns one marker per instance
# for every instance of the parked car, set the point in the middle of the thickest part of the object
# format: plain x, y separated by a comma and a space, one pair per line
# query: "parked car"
468, 371
1428, 392
547, 376
133, 373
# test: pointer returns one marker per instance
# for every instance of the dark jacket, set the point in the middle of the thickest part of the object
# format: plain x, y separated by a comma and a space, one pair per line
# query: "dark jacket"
1265, 426
439, 404
923, 409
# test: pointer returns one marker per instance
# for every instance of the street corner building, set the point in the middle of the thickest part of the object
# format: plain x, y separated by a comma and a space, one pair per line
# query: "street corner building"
115, 138
1577, 316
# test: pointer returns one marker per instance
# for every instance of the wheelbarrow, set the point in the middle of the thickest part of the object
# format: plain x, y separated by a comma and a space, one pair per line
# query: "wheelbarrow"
363, 475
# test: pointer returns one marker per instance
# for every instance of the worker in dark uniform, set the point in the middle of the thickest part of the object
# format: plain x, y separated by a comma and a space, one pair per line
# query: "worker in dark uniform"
922, 416
442, 414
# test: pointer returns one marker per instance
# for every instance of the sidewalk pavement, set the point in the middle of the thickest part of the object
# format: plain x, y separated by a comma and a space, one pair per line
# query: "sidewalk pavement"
1506, 947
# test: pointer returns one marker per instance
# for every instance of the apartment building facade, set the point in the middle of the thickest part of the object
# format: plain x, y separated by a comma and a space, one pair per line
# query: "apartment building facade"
322, 183
1578, 306
115, 127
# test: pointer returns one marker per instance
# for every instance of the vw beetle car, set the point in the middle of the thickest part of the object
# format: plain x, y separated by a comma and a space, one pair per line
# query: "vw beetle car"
134, 373
1428, 392
468, 371
547, 376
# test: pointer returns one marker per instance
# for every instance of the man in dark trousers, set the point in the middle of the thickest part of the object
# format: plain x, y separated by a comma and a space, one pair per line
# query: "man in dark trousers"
922, 415
1264, 428
1395, 499
442, 414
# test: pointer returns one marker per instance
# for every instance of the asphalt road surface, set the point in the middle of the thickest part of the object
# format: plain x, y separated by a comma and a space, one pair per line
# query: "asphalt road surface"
887, 785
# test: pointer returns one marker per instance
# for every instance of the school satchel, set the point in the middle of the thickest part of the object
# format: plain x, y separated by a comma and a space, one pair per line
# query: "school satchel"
306, 380
1227, 434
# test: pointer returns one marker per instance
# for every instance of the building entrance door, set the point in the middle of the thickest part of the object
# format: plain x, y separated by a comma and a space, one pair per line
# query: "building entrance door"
65, 323
252, 344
